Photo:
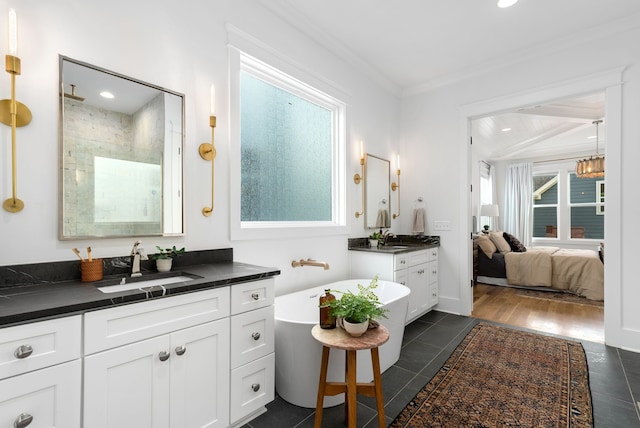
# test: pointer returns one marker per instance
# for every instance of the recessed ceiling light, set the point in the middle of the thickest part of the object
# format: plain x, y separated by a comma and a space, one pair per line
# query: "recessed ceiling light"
506, 3
106, 94
506, 129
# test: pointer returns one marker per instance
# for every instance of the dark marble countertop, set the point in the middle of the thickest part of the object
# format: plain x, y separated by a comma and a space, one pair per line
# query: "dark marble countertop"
396, 244
394, 248
38, 301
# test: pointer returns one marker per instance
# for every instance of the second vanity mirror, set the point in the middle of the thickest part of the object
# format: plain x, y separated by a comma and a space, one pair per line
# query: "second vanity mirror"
120, 155
377, 210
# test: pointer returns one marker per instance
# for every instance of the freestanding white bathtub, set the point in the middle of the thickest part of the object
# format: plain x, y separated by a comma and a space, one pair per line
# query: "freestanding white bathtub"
298, 354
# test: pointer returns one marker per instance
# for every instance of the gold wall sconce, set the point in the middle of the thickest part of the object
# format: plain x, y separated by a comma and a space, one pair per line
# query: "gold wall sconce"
396, 186
358, 178
13, 113
208, 151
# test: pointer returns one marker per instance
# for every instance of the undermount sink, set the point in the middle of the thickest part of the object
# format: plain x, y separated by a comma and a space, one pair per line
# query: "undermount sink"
393, 247
141, 284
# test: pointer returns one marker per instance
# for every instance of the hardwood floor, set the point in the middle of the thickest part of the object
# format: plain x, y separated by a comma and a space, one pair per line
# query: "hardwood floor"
505, 305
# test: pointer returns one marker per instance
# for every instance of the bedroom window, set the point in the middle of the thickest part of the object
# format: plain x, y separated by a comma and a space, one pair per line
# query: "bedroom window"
545, 206
586, 207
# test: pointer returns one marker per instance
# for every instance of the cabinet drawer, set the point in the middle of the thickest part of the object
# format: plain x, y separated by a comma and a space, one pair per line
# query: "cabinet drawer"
252, 295
252, 336
432, 272
37, 345
252, 387
51, 396
411, 259
131, 323
433, 254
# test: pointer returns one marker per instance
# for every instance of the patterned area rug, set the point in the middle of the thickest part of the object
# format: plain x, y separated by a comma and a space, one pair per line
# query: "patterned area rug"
499, 377
561, 297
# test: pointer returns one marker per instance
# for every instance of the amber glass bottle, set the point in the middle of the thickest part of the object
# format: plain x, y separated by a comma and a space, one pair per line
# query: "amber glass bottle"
326, 320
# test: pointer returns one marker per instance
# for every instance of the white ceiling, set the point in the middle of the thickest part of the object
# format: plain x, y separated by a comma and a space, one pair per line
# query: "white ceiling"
414, 45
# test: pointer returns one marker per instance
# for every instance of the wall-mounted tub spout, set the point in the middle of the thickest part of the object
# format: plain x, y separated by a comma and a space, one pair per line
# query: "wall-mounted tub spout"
310, 262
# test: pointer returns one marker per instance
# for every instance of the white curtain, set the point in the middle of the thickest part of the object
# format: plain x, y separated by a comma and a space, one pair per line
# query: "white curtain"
518, 198
487, 193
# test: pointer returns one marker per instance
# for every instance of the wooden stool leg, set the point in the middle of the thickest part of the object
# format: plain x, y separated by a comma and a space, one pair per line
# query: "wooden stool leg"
322, 383
377, 380
350, 400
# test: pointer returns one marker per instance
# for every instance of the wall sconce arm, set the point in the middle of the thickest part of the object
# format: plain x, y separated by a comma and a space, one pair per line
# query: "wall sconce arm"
14, 114
208, 152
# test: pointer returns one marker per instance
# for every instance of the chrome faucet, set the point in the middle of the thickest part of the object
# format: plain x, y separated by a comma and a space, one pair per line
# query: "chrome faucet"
137, 253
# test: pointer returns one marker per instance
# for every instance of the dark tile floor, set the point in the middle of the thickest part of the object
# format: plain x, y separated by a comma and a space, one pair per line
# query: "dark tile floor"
614, 376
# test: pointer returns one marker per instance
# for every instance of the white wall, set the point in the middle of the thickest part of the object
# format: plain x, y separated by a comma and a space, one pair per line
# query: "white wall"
434, 129
183, 47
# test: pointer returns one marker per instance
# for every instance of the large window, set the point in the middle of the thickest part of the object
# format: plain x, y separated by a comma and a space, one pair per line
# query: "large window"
567, 207
545, 206
586, 202
290, 154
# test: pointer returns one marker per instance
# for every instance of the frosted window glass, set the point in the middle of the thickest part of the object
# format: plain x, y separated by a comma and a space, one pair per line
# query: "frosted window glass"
286, 155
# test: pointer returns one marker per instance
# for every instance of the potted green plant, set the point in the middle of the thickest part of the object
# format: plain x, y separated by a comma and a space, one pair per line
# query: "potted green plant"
354, 310
374, 239
164, 257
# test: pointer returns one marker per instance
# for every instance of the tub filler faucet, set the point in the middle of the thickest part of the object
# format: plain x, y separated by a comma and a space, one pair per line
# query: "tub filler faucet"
137, 253
310, 262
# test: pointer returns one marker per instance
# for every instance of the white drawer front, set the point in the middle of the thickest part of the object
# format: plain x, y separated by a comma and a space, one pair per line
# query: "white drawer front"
433, 253
252, 387
118, 326
252, 295
418, 257
37, 345
252, 335
401, 261
51, 396
412, 258
432, 272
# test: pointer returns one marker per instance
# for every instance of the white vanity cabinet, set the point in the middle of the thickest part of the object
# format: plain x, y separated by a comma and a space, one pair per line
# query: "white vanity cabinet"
252, 349
162, 363
417, 269
40, 374
202, 359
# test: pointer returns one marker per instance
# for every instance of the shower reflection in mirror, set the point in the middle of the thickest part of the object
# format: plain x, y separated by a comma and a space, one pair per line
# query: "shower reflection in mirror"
121, 155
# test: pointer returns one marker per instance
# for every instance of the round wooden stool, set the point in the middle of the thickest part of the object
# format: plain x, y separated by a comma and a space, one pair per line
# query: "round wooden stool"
339, 339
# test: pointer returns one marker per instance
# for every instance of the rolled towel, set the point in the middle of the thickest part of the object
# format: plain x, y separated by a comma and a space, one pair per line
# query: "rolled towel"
418, 220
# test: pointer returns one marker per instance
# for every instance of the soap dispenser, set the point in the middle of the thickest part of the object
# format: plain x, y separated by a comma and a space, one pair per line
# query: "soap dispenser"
326, 320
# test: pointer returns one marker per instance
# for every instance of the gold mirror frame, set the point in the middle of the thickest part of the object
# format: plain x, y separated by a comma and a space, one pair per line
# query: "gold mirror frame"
377, 200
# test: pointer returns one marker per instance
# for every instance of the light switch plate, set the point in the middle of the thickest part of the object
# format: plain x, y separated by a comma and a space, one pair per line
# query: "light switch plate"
442, 225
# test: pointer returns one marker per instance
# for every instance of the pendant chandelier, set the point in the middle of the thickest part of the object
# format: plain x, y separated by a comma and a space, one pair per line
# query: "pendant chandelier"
594, 166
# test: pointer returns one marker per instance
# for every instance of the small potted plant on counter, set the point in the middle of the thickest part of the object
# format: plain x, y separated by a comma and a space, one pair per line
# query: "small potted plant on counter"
164, 257
374, 239
354, 311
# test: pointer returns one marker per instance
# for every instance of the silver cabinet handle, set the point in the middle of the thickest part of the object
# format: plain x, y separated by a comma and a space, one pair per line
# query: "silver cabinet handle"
180, 350
23, 351
164, 355
255, 296
256, 336
255, 387
23, 420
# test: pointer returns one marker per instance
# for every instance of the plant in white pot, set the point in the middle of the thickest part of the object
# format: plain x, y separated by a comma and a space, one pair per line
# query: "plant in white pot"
164, 257
375, 238
354, 311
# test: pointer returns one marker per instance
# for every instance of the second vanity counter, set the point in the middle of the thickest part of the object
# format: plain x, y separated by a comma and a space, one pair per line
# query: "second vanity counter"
43, 299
